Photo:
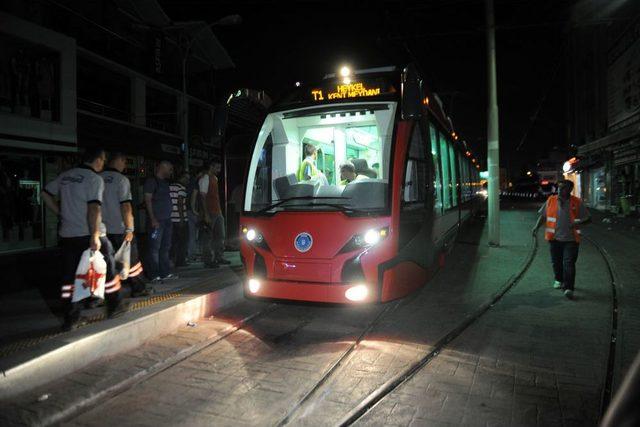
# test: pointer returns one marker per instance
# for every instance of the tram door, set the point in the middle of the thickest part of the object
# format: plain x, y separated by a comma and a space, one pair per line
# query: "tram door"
414, 189
415, 241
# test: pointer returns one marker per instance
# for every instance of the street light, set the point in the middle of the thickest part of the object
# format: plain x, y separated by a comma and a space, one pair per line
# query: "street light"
226, 21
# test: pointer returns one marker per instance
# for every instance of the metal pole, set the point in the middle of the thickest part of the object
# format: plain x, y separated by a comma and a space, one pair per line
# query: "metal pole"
185, 105
493, 141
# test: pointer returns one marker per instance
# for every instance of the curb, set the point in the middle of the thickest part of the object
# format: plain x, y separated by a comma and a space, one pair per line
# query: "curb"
50, 361
87, 402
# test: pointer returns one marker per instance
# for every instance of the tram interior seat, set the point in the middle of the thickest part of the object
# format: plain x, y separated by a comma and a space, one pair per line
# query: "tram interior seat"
299, 189
328, 191
283, 184
367, 193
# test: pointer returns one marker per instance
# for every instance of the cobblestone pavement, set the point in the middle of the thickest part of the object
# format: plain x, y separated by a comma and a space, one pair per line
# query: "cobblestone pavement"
620, 237
250, 377
534, 359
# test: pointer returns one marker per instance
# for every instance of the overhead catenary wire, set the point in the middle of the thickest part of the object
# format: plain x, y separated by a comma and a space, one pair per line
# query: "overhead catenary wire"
543, 98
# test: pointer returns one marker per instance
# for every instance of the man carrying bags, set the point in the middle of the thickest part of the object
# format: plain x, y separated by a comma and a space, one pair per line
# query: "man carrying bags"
80, 190
117, 215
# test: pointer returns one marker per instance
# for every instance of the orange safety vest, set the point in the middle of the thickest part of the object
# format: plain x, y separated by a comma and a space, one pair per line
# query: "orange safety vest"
552, 217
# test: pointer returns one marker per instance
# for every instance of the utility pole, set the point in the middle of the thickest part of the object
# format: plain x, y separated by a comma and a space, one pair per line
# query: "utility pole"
493, 141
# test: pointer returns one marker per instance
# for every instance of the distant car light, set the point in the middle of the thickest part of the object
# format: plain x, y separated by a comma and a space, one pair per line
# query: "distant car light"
357, 293
254, 285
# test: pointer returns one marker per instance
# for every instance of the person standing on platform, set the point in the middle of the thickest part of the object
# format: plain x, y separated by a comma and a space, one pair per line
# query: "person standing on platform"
563, 214
179, 219
117, 214
80, 191
213, 229
193, 214
158, 203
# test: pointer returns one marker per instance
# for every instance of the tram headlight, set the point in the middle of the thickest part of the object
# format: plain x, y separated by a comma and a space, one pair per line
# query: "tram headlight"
252, 235
254, 285
372, 236
357, 293
369, 238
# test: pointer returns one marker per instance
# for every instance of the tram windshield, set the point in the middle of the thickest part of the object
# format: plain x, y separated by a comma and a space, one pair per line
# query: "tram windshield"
333, 157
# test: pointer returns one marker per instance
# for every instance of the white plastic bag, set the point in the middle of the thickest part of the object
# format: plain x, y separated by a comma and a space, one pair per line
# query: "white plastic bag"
123, 257
91, 275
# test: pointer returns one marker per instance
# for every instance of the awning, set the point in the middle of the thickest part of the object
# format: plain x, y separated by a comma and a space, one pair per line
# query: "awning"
609, 140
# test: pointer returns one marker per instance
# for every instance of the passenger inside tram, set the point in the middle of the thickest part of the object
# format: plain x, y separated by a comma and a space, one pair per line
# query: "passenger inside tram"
348, 174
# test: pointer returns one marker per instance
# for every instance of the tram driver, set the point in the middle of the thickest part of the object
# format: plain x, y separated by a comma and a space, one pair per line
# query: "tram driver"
348, 174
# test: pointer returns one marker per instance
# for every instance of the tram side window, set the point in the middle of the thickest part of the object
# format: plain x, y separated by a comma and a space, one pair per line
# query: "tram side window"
446, 177
464, 178
454, 174
437, 179
415, 178
261, 195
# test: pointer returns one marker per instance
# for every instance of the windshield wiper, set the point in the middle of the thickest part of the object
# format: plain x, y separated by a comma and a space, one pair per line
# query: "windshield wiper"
288, 199
342, 208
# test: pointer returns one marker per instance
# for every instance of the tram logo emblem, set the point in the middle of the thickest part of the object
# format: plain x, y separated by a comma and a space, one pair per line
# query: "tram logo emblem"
303, 242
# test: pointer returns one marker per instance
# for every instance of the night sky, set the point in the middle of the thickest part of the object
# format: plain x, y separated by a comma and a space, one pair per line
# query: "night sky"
279, 43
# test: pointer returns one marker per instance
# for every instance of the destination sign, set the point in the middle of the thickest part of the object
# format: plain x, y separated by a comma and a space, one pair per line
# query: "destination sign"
337, 90
342, 91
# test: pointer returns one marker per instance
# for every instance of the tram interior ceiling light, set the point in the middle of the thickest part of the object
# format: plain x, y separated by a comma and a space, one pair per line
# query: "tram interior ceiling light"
254, 285
357, 293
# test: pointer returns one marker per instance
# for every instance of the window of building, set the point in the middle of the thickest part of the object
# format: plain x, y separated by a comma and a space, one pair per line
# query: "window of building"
20, 207
162, 110
29, 79
103, 91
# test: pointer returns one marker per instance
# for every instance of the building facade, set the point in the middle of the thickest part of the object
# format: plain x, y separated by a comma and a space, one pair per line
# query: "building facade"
604, 106
70, 80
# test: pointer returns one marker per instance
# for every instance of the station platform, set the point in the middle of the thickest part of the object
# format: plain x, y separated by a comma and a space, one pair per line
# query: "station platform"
34, 349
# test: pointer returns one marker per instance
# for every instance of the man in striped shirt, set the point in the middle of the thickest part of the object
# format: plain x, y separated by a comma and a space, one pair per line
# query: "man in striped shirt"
178, 193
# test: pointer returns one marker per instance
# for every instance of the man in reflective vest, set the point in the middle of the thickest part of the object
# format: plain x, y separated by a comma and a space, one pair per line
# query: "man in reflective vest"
563, 215
308, 168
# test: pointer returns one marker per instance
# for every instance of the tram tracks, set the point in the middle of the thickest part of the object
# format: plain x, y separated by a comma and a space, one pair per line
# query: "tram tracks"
144, 376
607, 390
389, 386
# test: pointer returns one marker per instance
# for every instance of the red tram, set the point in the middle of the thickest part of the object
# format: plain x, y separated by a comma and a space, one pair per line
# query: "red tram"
313, 230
